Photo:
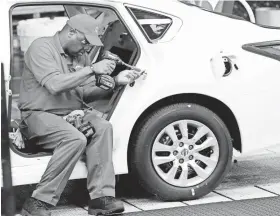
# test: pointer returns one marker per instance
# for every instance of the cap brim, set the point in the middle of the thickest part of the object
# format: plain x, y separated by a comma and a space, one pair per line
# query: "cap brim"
94, 40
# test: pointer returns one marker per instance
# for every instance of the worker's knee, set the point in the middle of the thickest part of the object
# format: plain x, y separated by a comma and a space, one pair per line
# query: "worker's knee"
78, 140
105, 126
82, 141
101, 125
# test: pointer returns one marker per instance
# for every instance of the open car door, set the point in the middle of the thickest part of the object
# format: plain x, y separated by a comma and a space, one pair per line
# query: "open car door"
8, 196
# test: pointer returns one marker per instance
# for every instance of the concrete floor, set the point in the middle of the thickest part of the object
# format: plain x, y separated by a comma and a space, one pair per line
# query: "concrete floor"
253, 176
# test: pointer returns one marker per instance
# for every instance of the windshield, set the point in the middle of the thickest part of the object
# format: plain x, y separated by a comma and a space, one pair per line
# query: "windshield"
202, 4
263, 13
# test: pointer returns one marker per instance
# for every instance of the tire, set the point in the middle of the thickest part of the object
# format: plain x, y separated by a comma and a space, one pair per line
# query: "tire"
143, 156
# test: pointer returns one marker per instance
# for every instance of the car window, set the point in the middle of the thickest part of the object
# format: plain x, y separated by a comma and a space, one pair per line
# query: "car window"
153, 25
260, 12
234, 9
104, 16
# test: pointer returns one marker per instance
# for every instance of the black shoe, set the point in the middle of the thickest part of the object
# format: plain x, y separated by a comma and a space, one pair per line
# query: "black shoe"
105, 206
34, 207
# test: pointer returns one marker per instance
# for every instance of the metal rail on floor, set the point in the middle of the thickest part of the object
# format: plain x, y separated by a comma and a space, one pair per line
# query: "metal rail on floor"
254, 207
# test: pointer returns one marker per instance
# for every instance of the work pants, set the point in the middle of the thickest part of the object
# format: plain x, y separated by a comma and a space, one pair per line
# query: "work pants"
52, 132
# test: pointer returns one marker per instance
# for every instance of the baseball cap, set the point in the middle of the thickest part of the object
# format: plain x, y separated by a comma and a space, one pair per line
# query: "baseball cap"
86, 24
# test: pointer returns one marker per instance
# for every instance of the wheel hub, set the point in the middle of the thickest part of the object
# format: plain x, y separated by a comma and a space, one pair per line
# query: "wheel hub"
184, 152
183, 149
188, 158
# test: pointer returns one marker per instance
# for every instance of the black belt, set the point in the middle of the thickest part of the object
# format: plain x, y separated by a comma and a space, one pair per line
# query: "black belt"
37, 110
28, 110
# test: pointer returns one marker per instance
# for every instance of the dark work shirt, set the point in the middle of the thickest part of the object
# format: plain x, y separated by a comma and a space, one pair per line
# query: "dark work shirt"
43, 60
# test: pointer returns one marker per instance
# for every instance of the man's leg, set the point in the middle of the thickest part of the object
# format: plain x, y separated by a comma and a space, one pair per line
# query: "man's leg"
101, 175
68, 143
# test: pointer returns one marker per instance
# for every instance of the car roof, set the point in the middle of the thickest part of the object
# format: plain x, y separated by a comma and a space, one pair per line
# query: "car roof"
144, 3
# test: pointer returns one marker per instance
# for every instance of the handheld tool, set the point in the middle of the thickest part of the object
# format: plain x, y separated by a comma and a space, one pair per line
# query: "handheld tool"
117, 59
105, 81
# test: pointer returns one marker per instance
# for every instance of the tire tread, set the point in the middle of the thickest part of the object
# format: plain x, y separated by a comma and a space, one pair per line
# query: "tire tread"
144, 125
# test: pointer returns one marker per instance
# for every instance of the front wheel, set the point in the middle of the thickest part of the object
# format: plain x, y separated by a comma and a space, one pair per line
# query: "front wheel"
181, 152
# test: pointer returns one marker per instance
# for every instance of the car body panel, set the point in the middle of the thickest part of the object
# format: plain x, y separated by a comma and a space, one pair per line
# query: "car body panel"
182, 63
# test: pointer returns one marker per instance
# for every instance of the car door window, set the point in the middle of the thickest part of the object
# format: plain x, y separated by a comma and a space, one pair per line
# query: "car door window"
153, 25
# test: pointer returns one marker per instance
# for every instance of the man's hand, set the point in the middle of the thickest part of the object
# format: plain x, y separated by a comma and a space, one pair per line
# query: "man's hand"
104, 67
18, 140
126, 77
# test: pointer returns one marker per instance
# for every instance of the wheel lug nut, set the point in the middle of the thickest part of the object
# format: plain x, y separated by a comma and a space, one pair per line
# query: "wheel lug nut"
181, 144
190, 157
181, 160
191, 147
175, 153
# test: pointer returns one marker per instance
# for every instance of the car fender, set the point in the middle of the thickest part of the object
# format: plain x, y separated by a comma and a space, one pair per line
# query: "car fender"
127, 113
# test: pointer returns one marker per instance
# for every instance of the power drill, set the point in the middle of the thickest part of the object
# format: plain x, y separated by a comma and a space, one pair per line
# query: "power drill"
117, 59
105, 81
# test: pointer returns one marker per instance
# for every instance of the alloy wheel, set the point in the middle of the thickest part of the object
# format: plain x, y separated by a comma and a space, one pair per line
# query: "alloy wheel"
185, 153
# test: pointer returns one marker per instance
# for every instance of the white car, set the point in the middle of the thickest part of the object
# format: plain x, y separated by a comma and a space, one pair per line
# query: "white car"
212, 88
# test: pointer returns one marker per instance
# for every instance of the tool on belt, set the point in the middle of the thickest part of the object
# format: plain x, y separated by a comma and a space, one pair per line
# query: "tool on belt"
20, 137
75, 118
106, 82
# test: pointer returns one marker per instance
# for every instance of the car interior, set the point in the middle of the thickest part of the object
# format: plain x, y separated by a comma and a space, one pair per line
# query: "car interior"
116, 39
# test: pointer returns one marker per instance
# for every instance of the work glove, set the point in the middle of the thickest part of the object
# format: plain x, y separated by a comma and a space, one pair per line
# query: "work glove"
104, 66
73, 113
18, 140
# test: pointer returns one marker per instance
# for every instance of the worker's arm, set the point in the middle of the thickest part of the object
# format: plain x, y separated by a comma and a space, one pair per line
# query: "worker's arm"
42, 63
92, 92
64, 82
